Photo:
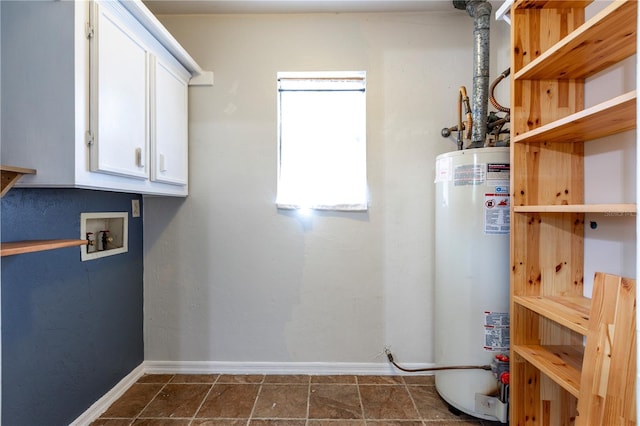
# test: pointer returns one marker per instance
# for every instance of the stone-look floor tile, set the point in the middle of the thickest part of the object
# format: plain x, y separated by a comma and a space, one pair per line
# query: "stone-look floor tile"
380, 380
420, 380
335, 379
277, 422
326, 422
282, 401
431, 407
397, 423
240, 378
382, 402
112, 422
227, 400
299, 379
219, 422
155, 378
194, 378
133, 401
334, 402
177, 400
162, 422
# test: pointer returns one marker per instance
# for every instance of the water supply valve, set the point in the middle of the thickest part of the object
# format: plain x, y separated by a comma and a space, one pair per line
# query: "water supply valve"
106, 239
500, 369
91, 242
499, 365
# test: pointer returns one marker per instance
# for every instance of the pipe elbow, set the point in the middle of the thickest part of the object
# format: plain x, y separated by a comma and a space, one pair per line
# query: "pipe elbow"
478, 8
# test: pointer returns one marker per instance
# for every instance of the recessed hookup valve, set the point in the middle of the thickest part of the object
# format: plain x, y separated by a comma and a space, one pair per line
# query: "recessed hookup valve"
106, 239
91, 242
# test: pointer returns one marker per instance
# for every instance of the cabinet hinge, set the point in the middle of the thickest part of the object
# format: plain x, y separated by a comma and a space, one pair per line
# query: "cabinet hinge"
89, 138
89, 30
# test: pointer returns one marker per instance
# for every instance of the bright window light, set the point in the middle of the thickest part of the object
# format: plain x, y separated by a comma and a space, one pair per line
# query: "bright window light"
322, 141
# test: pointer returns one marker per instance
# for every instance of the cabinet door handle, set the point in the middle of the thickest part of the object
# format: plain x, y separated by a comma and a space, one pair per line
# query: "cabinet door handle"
163, 167
139, 161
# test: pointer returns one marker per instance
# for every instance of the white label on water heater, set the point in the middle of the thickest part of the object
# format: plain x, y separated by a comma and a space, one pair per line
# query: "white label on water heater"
496, 331
497, 219
444, 169
498, 174
469, 174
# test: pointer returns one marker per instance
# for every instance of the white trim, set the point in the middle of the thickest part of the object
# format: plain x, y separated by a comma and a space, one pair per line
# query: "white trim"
101, 405
153, 25
504, 12
311, 368
203, 79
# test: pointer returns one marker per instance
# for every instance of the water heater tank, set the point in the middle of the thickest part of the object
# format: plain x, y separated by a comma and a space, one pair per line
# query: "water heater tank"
472, 276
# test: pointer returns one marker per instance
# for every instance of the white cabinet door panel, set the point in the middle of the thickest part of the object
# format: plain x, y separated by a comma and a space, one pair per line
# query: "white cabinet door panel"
119, 118
169, 150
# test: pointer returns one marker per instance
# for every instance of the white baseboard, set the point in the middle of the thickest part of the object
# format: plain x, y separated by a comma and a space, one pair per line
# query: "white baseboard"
311, 368
223, 367
101, 405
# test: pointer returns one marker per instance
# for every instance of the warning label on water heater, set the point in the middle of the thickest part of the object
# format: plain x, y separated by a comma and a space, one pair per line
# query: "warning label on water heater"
496, 331
469, 174
496, 212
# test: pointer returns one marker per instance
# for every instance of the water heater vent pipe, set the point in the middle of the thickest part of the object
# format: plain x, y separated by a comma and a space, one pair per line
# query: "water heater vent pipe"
480, 11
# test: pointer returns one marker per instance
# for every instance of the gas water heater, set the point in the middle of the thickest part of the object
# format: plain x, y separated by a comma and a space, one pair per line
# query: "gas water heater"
472, 277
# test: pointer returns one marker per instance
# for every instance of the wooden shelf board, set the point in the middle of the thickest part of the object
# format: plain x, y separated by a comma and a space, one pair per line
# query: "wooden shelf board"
551, 4
610, 209
584, 53
20, 247
608, 118
14, 169
561, 364
569, 311
9, 175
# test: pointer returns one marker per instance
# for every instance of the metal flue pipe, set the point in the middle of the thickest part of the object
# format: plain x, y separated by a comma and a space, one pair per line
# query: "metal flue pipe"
480, 11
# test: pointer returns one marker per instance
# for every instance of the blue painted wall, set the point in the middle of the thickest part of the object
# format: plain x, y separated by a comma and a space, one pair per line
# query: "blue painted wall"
70, 329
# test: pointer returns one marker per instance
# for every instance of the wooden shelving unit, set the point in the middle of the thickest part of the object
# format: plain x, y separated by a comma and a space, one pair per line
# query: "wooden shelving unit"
608, 118
602, 41
553, 51
561, 363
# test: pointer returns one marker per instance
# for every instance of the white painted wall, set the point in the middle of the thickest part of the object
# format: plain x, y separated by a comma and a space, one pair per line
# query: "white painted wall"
228, 277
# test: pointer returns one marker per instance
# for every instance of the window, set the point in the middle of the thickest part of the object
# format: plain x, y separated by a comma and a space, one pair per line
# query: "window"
322, 141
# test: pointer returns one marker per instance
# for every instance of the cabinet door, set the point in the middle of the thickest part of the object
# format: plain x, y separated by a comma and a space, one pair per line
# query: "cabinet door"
119, 97
169, 134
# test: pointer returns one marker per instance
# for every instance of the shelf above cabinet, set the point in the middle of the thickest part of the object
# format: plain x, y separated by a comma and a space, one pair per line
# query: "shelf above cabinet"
584, 52
569, 311
561, 363
10, 175
20, 247
607, 118
612, 209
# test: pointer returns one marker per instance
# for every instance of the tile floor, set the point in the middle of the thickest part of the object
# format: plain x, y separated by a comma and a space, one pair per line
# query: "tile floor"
274, 400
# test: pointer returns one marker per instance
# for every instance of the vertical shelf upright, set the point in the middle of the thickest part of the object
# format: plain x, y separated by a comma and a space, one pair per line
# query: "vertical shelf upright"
554, 49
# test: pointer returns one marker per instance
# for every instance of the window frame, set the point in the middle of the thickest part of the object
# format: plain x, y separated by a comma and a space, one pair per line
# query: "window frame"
327, 81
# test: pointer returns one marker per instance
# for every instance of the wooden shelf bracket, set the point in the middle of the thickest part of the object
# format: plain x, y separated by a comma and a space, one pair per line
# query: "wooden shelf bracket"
10, 175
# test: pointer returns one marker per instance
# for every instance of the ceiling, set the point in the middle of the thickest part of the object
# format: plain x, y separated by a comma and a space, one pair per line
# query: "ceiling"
179, 7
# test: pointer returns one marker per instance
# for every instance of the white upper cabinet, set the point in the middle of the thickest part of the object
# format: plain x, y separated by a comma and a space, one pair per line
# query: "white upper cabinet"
95, 95
119, 94
169, 105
